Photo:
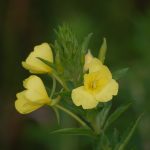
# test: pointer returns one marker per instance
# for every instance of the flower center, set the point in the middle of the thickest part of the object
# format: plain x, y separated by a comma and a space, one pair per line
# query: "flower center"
96, 81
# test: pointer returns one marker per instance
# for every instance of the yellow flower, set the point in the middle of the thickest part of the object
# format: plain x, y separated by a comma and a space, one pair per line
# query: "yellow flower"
88, 59
98, 86
33, 64
34, 97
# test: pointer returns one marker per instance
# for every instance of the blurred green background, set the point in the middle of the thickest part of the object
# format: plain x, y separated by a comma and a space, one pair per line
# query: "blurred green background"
26, 23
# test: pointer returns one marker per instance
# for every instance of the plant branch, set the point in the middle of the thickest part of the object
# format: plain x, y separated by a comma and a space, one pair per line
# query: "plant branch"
72, 115
54, 87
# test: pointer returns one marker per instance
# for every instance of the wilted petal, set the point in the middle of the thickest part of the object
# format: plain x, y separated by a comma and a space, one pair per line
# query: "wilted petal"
83, 98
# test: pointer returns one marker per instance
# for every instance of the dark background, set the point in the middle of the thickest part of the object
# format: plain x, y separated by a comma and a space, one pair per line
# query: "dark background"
26, 23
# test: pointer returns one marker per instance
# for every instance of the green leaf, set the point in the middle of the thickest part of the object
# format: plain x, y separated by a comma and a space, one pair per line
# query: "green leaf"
115, 115
54, 73
101, 116
104, 113
102, 51
86, 43
120, 73
64, 93
84, 47
47, 62
70, 85
128, 134
48, 90
57, 114
74, 131
103, 143
115, 138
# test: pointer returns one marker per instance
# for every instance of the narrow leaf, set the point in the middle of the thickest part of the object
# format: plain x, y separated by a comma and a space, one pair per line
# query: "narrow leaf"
103, 143
102, 51
86, 43
47, 62
127, 136
57, 114
116, 137
74, 131
115, 115
102, 115
120, 73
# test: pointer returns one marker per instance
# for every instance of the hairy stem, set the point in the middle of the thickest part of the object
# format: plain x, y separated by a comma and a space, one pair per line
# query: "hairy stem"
54, 87
72, 115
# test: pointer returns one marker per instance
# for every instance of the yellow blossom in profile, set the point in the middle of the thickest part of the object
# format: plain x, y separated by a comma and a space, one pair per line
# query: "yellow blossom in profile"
34, 97
88, 59
98, 86
33, 64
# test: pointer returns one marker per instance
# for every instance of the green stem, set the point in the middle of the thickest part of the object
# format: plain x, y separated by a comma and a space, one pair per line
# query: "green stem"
54, 87
60, 81
72, 115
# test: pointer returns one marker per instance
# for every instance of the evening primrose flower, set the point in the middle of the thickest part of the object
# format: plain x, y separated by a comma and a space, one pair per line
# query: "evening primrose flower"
98, 86
33, 64
34, 97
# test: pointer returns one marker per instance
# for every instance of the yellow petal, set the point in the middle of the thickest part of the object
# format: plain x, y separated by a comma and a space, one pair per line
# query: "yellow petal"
88, 59
33, 64
95, 65
35, 84
107, 92
24, 106
83, 98
96, 81
36, 97
32, 69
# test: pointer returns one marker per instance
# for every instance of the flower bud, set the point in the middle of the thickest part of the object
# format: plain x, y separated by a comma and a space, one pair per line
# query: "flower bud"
88, 59
33, 64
